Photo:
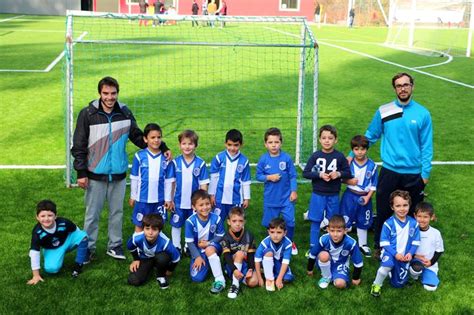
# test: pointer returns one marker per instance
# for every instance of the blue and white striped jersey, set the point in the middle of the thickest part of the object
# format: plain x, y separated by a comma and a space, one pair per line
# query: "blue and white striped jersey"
147, 177
138, 242
366, 175
400, 237
340, 253
230, 178
188, 177
196, 230
281, 251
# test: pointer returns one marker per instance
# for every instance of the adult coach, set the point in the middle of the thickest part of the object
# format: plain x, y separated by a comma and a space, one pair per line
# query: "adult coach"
406, 150
100, 159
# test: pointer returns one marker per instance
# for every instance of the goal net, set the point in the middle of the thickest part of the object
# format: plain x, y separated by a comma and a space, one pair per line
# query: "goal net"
437, 28
205, 73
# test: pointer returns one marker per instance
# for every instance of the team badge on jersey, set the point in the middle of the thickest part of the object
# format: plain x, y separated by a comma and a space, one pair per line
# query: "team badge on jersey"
55, 242
213, 228
139, 217
368, 175
412, 232
164, 164
344, 252
240, 168
175, 218
282, 166
196, 171
385, 258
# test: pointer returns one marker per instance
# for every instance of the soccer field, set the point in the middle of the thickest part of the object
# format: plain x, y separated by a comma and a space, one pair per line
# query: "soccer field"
354, 79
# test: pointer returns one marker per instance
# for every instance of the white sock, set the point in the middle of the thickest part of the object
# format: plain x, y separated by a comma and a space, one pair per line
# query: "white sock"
236, 281
267, 264
216, 267
176, 236
362, 236
325, 269
382, 273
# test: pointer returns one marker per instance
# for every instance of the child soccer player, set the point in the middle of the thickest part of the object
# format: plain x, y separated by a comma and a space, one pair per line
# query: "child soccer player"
334, 250
431, 248
399, 239
186, 174
325, 168
230, 176
276, 169
274, 254
203, 232
239, 251
147, 178
356, 205
55, 237
151, 249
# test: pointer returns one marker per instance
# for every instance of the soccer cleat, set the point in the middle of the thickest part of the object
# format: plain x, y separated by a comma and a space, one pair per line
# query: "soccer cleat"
163, 283
305, 215
324, 224
270, 285
116, 253
365, 250
233, 291
76, 270
306, 255
217, 287
375, 290
430, 287
90, 257
323, 283
294, 249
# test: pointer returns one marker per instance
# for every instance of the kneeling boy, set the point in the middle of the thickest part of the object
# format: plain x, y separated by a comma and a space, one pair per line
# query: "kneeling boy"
151, 249
239, 251
55, 236
274, 254
334, 250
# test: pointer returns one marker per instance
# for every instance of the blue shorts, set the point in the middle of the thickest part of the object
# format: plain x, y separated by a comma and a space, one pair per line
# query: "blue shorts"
287, 212
288, 277
201, 274
179, 216
54, 258
222, 210
142, 208
399, 272
244, 270
319, 204
340, 271
355, 212
428, 276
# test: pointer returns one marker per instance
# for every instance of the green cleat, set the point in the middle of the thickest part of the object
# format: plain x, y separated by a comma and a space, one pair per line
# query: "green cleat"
375, 290
217, 287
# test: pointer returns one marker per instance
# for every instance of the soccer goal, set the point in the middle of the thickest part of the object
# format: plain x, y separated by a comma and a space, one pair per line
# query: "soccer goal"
205, 73
442, 27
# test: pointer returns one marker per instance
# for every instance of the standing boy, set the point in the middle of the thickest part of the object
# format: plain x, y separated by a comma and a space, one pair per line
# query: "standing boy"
186, 174
356, 203
151, 249
230, 176
55, 237
204, 231
147, 178
334, 250
325, 168
425, 263
400, 239
239, 251
276, 169
274, 255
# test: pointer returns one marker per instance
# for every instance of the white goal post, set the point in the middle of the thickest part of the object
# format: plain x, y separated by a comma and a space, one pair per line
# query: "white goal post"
206, 73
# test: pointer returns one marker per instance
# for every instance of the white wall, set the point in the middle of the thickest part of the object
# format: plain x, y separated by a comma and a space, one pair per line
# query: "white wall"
39, 7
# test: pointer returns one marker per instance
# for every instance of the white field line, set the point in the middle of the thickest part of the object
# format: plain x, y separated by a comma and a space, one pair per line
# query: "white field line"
32, 31
382, 60
57, 167
49, 67
12, 18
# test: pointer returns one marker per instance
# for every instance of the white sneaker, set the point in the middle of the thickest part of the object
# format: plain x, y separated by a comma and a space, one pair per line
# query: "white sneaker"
305, 215
323, 283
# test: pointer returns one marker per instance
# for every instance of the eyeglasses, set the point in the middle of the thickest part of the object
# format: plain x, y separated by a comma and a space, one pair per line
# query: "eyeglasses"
405, 86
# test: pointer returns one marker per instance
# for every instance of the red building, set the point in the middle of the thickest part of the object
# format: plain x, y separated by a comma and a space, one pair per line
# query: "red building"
234, 7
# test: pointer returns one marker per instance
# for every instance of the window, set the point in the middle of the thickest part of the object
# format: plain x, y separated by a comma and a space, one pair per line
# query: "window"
289, 5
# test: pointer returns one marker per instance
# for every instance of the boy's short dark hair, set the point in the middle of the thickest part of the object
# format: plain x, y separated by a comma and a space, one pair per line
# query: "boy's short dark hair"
400, 193
237, 211
273, 132
46, 205
329, 128
337, 221
189, 134
402, 74
153, 220
424, 207
277, 223
150, 127
234, 135
199, 194
360, 141
109, 81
